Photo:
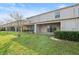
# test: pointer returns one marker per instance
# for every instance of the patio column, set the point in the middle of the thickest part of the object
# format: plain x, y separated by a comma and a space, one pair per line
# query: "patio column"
6, 28
35, 28
15, 29
21, 29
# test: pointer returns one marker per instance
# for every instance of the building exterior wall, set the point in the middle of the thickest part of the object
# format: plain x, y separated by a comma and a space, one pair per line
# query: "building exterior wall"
68, 19
77, 24
65, 13
70, 25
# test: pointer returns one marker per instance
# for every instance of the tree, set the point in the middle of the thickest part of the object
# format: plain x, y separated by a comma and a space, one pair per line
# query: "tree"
7, 20
18, 17
1, 23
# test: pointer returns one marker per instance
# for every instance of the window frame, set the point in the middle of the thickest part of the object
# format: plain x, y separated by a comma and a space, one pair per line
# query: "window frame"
57, 14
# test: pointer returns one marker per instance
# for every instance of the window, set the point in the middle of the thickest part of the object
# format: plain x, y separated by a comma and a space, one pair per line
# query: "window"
57, 14
51, 29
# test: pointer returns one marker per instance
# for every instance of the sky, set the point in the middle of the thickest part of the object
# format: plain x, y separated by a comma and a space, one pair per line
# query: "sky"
29, 9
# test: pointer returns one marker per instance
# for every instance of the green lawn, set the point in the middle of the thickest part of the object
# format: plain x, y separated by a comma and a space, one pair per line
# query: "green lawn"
35, 44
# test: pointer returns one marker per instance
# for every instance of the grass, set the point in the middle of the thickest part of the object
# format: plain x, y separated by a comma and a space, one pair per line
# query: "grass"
34, 44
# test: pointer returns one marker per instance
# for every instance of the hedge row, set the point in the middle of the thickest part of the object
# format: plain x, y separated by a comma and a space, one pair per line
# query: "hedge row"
67, 35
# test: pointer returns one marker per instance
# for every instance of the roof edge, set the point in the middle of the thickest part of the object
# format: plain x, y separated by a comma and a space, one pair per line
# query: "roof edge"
53, 10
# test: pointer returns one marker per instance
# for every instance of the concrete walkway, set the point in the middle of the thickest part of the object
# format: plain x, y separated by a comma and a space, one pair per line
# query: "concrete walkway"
52, 38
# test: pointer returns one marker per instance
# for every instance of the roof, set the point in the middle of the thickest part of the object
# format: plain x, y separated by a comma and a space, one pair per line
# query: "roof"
13, 22
53, 10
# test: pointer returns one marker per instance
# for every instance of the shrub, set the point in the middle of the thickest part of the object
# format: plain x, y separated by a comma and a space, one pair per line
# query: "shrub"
67, 35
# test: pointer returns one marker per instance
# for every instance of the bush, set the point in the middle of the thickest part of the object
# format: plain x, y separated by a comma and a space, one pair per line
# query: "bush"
67, 35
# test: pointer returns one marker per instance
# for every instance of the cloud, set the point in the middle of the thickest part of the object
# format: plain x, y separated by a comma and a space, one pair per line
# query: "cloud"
25, 11
61, 6
31, 12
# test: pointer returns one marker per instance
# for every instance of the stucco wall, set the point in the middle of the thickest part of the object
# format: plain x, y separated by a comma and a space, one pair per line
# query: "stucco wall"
70, 25
67, 13
77, 24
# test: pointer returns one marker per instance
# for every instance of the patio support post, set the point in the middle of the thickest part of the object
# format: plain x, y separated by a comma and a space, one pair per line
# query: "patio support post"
21, 28
35, 28
6, 28
15, 29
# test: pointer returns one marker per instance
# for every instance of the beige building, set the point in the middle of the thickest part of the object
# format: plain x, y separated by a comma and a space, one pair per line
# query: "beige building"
64, 19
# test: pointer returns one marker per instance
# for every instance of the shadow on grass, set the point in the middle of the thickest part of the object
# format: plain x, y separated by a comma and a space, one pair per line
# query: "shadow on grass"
35, 42
44, 46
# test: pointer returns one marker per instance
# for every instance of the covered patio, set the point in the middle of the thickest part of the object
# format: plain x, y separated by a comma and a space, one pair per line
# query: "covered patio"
48, 27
